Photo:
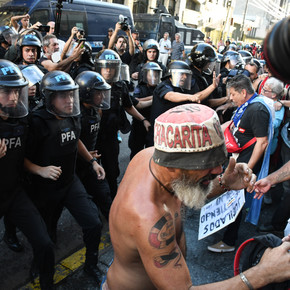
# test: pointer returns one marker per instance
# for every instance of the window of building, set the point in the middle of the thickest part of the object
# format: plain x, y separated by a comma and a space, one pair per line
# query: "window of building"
193, 5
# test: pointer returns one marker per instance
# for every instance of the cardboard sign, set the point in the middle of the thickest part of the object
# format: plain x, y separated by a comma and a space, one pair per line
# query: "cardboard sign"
220, 212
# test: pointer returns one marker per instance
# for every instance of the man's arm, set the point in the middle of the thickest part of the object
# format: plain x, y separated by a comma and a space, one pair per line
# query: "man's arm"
65, 64
258, 151
263, 185
131, 42
236, 176
15, 19
68, 43
87, 156
113, 38
134, 113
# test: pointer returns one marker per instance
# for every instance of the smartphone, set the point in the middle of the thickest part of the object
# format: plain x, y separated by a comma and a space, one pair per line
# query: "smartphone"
44, 28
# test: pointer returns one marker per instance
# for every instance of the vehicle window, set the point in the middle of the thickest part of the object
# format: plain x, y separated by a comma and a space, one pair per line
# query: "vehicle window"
40, 15
188, 38
146, 26
99, 23
69, 19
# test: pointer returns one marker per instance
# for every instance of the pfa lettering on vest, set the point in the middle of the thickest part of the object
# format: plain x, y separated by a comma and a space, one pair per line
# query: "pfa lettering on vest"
13, 143
68, 137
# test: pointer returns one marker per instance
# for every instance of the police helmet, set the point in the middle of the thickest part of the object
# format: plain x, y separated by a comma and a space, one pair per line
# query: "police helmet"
93, 89
234, 58
256, 63
30, 40
5, 34
246, 55
110, 60
177, 70
150, 44
201, 54
87, 56
151, 73
59, 85
13, 91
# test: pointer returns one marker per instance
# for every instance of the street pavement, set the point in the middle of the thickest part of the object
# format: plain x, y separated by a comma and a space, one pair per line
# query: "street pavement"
204, 266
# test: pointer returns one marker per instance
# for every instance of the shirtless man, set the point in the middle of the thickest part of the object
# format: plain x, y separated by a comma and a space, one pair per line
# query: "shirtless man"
146, 220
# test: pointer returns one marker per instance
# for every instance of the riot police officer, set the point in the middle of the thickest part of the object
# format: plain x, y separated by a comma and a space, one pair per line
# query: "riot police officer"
95, 95
114, 119
204, 81
53, 144
6, 33
15, 204
151, 76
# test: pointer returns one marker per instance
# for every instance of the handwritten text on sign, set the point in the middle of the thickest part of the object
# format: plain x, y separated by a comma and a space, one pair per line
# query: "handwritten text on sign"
220, 212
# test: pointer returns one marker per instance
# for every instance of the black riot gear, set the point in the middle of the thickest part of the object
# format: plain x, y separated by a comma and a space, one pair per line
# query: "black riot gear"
246, 55
234, 58
30, 40
202, 54
111, 61
60, 84
5, 34
13, 91
150, 44
93, 89
151, 73
180, 74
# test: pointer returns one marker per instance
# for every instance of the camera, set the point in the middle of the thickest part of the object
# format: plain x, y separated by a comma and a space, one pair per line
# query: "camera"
44, 28
124, 22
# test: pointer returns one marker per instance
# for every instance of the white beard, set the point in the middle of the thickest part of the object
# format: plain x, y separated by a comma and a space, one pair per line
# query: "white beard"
193, 195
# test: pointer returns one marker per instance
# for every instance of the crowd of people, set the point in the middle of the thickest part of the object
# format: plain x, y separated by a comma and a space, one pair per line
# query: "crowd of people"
61, 109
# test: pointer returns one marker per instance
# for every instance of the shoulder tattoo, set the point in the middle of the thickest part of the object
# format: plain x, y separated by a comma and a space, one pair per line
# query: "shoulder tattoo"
161, 235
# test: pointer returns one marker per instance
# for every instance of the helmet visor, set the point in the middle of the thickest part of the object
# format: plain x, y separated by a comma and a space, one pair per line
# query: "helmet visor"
110, 70
33, 74
101, 99
124, 73
14, 102
63, 103
209, 67
181, 78
236, 60
151, 77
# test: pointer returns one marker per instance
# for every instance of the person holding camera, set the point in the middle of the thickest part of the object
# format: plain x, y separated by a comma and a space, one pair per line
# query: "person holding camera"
50, 46
120, 43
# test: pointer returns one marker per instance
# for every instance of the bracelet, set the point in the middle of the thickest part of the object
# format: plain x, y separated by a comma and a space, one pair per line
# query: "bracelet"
221, 184
246, 281
93, 160
280, 103
143, 120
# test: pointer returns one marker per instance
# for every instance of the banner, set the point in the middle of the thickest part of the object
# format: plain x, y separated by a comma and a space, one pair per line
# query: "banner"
220, 212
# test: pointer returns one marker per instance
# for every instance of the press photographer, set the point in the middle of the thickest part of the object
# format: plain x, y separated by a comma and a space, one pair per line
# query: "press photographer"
120, 43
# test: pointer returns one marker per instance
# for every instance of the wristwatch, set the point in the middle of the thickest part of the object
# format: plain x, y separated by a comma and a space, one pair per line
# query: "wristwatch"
93, 159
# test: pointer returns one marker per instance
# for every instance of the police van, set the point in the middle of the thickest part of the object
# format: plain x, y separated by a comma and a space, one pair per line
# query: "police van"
94, 17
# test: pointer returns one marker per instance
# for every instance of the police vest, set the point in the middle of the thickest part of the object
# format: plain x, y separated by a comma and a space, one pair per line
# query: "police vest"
14, 131
58, 146
90, 122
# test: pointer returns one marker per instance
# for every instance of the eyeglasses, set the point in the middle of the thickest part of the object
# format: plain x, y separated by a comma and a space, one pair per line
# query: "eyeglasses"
266, 91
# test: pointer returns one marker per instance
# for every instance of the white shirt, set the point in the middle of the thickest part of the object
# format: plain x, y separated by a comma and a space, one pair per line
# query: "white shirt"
164, 43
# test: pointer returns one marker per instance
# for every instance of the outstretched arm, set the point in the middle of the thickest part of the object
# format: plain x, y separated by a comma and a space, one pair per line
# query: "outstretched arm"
236, 176
263, 185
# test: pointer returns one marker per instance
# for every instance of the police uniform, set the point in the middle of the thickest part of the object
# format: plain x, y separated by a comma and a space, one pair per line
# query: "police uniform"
16, 205
113, 120
161, 105
54, 141
138, 135
97, 188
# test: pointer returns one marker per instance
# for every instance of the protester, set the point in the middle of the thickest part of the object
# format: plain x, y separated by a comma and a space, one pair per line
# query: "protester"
150, 248
251, 127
